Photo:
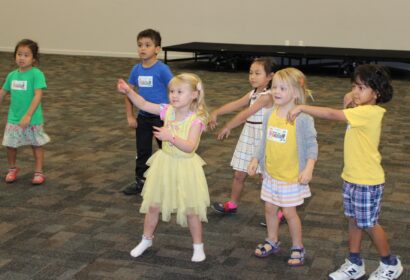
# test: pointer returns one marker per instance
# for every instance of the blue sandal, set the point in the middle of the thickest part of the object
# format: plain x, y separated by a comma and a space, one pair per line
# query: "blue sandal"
297, 254
267, 248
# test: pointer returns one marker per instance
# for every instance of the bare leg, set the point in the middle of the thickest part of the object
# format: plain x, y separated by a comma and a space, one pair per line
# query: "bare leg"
295, 229
195, 227
380, 240
355, 236
272, 226
11, 156
150, 223
272, 221
38, 153
295, 225
238, 183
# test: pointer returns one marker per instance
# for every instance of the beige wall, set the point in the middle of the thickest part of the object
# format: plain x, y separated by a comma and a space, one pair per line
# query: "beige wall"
109, 27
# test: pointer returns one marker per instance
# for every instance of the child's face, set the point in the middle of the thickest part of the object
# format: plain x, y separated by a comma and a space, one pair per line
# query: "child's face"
24, 58
181, 95
258, 78
147, 49
283, 94
362, 94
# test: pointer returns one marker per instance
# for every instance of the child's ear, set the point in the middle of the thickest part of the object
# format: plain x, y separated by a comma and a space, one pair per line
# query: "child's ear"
157, 49
195, 94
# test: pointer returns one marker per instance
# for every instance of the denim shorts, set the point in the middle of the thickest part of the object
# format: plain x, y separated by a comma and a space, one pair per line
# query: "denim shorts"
362, 203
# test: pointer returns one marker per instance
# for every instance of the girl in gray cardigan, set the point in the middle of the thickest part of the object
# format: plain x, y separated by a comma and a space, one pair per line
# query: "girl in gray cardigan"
287, 154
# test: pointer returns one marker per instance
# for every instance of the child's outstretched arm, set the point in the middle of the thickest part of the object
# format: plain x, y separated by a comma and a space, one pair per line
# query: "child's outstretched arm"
25, 120
188, 145
263, 101
227, 108
319, 112
136, 99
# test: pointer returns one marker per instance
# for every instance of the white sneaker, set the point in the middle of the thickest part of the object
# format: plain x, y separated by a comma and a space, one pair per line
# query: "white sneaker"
387, 272
348, 271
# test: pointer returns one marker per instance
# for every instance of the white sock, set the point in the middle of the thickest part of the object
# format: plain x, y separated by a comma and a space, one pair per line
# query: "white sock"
199, 254
141, 247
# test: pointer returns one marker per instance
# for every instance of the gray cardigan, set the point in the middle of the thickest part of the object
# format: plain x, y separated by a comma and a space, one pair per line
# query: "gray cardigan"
305, 139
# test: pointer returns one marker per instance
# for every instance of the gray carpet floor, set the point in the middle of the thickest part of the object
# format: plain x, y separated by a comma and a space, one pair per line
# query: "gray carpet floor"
79, 225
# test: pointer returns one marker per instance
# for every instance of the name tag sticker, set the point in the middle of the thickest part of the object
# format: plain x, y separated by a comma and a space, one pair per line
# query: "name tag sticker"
145, 81
277, 134
19, 85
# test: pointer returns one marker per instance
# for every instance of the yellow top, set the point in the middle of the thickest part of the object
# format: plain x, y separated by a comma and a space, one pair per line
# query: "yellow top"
281, 156
362, 160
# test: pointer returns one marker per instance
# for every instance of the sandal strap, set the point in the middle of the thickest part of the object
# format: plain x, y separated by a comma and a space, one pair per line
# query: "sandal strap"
300, 251
272, 243
268, 242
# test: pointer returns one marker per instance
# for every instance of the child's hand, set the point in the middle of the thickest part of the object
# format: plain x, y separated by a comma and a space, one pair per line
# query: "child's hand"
305, 176
24, 122
223, 133
348, 100
132, 122
292, 114
252, 166
162, 133
122, 86
212, 120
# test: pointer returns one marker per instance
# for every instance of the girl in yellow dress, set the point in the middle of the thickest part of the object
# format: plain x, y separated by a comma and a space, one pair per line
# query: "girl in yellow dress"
175, 181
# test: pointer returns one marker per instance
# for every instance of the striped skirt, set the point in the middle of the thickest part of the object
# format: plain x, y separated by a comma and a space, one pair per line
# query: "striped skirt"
283, 194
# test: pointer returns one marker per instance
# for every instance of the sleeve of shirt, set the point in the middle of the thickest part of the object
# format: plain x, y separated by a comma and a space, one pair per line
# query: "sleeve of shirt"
6, 85
199, 122
310, 138
40, 81
163, 110
357, 116
166, 75
133, 78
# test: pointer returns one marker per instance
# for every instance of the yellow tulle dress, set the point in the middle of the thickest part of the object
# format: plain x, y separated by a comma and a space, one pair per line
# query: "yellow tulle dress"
175, 180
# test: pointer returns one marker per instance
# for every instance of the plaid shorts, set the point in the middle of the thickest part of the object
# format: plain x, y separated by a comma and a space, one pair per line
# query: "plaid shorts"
362, 203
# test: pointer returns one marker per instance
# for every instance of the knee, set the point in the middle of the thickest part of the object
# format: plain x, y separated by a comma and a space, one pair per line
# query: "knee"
289, 212
270, 209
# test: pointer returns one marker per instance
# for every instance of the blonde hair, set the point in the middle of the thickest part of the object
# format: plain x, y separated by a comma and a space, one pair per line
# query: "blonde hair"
297, 80
198, 104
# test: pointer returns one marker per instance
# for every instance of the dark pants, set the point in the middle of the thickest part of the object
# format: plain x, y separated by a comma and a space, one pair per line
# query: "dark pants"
144, 134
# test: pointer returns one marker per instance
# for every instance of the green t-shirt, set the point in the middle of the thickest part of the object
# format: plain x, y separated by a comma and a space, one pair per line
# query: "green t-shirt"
21, 86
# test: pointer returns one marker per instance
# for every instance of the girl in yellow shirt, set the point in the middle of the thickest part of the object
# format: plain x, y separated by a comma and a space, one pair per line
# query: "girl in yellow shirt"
286, 155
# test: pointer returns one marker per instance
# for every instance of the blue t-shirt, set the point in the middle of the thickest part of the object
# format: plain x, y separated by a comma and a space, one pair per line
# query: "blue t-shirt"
151, 82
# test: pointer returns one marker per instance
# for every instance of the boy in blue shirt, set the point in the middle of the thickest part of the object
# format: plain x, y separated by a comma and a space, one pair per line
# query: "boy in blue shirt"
150, 79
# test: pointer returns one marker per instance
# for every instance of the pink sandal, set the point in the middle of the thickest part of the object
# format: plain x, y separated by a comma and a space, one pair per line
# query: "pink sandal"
12, 175
38, 178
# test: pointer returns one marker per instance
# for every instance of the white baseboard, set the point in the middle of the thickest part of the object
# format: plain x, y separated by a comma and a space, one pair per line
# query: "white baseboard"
170, 55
